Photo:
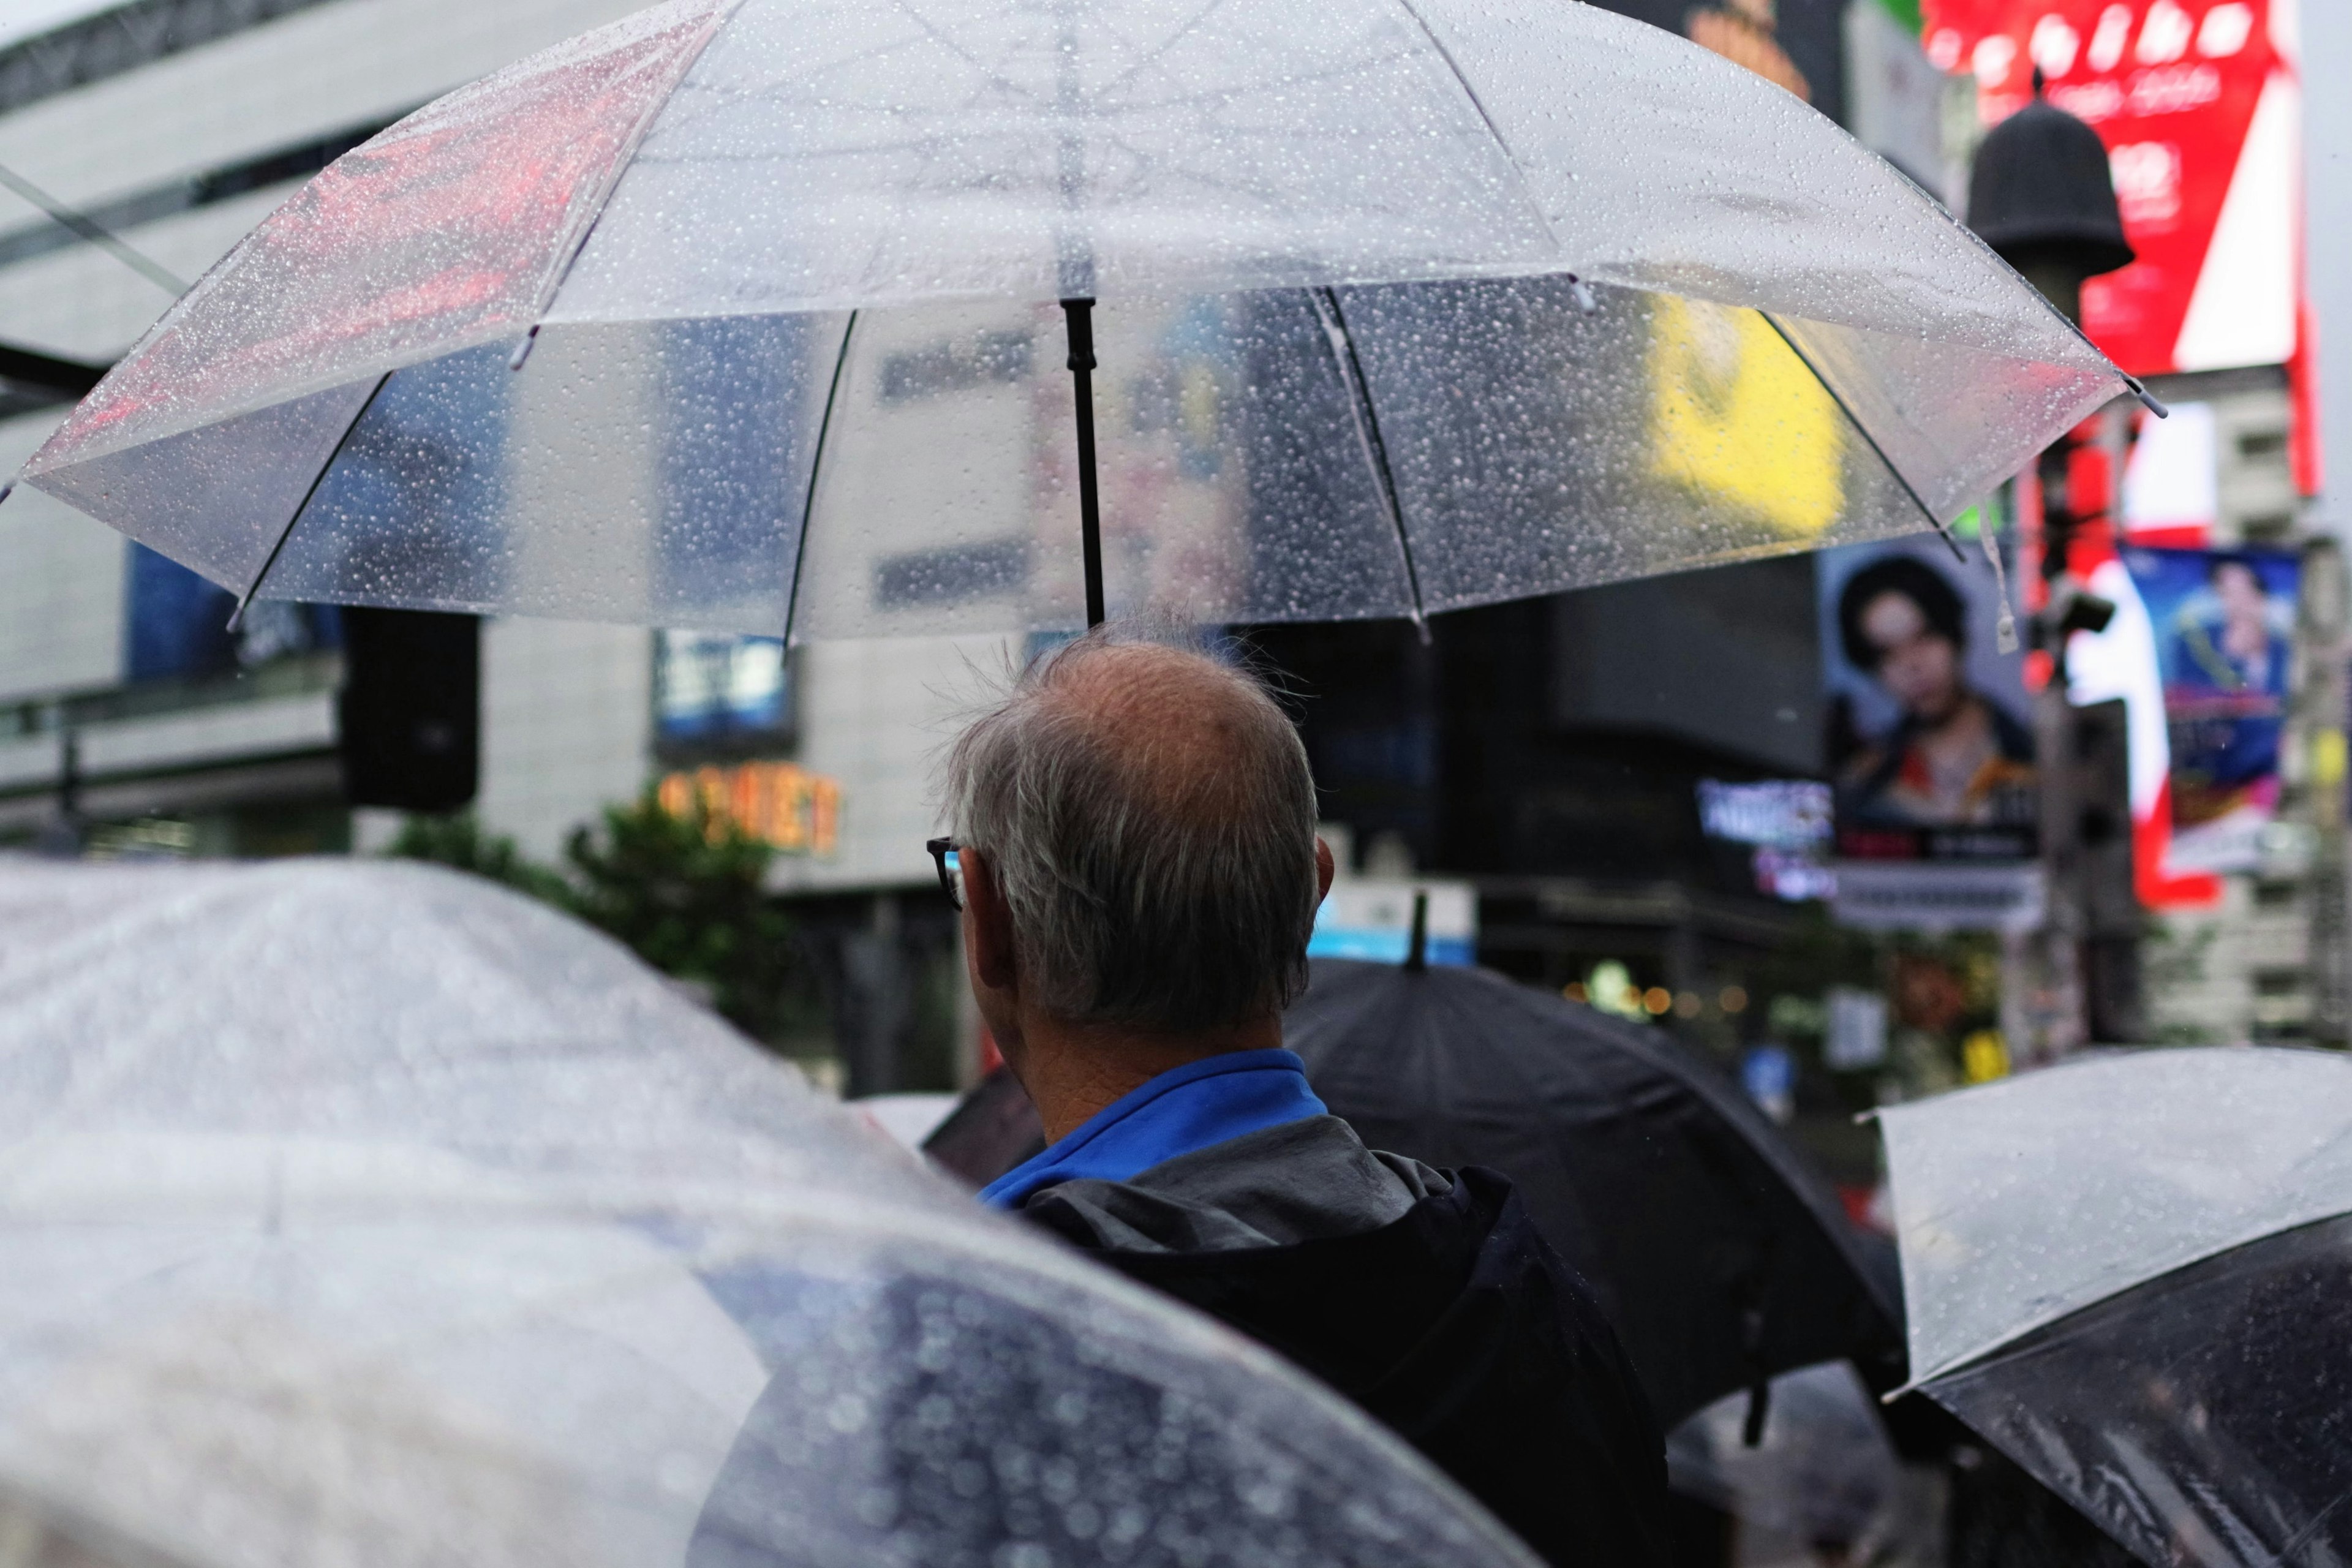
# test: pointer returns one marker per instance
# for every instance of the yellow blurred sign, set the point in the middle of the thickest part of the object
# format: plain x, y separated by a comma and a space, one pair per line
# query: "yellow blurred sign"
2327, 759
1741, 419
796, 811
1984, 1055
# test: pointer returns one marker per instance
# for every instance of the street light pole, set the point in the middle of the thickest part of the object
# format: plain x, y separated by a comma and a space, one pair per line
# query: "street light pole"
2040, 194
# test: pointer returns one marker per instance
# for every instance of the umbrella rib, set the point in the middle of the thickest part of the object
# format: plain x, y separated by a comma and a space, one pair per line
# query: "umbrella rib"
1502, 142
559, 271
993, 78
1864, 430
1159, 51
1367, 437
816, 468
236, 616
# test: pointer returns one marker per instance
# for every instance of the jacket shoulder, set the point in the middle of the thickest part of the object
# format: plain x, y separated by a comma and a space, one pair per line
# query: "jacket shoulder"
1460, 1328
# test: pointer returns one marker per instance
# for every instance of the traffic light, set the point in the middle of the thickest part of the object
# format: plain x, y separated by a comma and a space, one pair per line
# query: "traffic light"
411, 708
2100, 792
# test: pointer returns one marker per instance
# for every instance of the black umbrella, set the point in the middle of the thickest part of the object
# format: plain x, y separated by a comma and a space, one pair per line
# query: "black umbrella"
1721, 1258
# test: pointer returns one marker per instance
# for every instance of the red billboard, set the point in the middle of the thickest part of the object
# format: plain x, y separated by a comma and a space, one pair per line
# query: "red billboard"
2198, 103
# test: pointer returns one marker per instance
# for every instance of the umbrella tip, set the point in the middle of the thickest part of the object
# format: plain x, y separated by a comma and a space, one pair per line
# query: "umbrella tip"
1416, 953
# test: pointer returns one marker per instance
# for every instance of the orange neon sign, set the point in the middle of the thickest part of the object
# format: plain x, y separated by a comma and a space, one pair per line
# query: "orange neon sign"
784, 804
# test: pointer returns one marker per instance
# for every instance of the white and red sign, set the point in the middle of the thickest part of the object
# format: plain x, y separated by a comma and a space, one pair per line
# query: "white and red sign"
2198, 104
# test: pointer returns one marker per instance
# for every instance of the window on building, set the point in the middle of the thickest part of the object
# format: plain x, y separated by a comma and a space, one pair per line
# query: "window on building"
720, 695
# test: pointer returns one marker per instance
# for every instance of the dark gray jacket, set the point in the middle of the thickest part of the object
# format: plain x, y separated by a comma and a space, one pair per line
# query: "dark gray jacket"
1425, 1297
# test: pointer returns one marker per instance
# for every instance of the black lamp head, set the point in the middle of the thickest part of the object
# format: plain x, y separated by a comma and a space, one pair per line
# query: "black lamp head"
2040, 194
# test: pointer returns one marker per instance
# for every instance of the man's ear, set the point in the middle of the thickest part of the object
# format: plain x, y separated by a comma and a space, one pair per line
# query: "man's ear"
992, 922
1325, 869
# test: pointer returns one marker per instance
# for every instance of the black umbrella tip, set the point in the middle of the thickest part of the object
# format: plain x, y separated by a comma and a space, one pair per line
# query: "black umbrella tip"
1416, 951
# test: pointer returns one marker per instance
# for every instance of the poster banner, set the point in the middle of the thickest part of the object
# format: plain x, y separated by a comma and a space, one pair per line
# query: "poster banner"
1930, 745
2224, 624
2198, 104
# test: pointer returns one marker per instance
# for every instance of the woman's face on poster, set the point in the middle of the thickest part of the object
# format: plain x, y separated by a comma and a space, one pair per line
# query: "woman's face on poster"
1919, 666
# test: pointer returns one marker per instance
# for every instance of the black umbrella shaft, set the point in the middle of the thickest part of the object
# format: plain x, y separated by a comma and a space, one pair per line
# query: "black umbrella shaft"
1080, 314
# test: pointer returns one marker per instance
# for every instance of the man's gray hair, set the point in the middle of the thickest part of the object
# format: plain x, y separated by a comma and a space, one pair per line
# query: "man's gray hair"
1150, 818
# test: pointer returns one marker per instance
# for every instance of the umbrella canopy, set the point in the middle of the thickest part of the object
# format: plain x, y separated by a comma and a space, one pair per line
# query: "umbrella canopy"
1719, 1257
371, 1215
1821, 1473
742, 314
2131, 1274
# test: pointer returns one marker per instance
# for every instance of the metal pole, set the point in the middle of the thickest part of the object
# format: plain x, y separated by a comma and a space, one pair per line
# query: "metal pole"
1078, 314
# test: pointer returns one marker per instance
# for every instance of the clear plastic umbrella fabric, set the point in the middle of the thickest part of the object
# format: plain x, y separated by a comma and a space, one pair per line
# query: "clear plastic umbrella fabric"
740, 314
372, 1215
2132, 1274
1821, 1473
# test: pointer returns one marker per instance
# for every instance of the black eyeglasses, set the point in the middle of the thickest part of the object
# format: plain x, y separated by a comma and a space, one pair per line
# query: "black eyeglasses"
951, 864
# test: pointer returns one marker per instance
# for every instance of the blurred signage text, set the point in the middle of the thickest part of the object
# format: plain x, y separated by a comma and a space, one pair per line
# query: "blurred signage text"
782, 804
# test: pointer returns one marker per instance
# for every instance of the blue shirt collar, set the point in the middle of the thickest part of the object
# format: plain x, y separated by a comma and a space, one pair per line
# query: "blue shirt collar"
1184, 1109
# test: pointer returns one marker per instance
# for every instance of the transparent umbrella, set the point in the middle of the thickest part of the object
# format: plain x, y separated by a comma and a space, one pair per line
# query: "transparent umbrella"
372, 1215
2132, 1274
1821, 1473
749, 314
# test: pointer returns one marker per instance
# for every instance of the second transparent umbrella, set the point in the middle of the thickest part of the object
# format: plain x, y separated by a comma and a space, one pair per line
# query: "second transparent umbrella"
373, 1215
758, 314
2131, 1274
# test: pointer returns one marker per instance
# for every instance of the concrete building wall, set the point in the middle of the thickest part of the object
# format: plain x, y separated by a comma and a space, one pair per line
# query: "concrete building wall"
566, 723
61, 599
877, 715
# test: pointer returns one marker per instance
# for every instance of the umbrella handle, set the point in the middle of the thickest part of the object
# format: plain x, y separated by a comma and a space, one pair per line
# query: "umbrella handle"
1759, 1407
1079, 318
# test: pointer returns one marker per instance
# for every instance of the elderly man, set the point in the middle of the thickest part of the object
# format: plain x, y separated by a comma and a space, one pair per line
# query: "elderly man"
1134, 852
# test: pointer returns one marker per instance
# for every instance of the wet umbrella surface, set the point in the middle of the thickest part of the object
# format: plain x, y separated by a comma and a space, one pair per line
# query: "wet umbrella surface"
372, 1215
1718, 1256
749, 315
2134, 1275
